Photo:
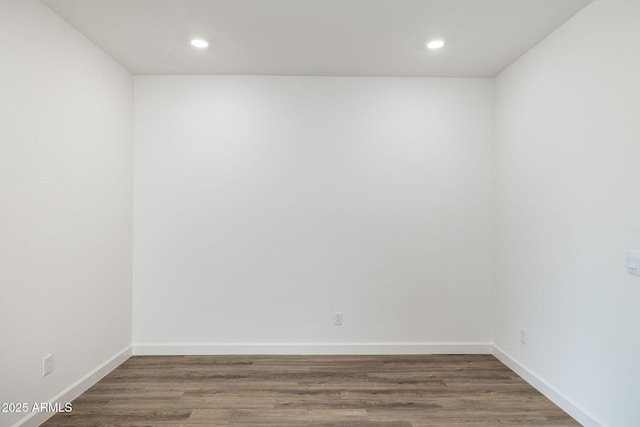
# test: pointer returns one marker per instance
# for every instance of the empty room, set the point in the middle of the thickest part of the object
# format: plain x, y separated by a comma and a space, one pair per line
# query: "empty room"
349, 213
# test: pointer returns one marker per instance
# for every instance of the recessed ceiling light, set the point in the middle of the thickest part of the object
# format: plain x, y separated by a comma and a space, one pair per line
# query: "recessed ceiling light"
435, 44
199, 43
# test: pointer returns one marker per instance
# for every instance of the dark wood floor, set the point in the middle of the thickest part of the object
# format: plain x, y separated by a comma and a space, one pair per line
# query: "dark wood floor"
347, 391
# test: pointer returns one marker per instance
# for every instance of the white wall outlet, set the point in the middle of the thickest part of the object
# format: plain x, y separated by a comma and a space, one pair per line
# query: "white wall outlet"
337, 318
47, 364
523, 335
633, 262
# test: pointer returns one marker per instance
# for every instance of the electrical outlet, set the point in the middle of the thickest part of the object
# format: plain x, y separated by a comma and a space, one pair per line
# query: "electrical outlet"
337, 318
633, 262
47, 364
523, 335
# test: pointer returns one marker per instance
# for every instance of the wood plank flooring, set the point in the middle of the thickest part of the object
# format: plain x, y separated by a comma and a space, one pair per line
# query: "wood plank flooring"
319, 391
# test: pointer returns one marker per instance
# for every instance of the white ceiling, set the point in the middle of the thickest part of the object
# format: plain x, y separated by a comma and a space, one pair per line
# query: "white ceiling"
317, 37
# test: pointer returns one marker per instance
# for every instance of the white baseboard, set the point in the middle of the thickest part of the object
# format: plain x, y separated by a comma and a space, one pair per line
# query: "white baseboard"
311, 348
77, 388
386, 348
566, 404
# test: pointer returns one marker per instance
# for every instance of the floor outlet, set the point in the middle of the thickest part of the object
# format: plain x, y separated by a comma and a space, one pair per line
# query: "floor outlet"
47, 365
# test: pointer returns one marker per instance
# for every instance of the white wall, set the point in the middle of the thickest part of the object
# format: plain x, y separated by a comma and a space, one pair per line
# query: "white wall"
66, 136
265, 204
567, 171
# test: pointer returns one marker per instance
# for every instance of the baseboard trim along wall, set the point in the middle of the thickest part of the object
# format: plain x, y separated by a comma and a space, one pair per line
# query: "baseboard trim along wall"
567, 405
311, 348
83, 384
77, 388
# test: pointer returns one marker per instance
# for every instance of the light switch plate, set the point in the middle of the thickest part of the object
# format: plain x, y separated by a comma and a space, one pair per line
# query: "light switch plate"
633, 262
